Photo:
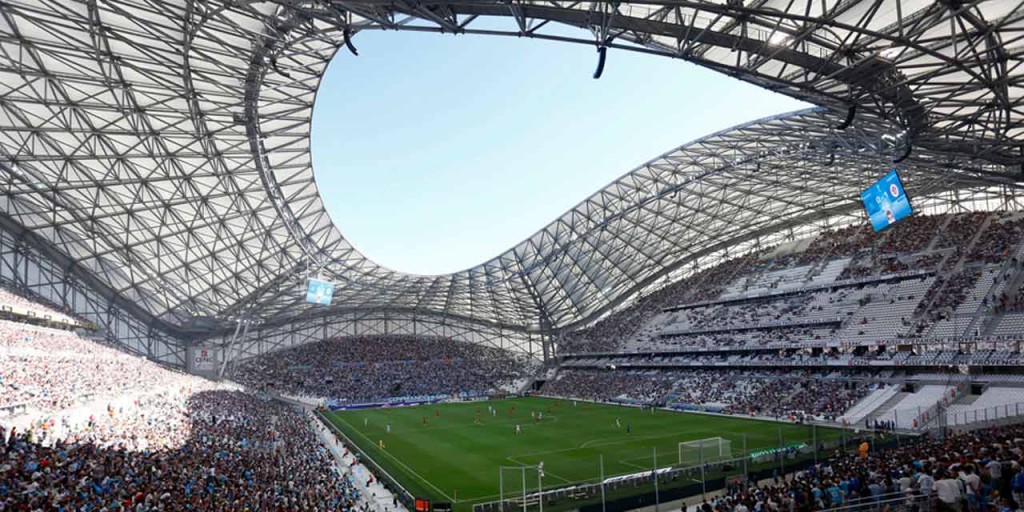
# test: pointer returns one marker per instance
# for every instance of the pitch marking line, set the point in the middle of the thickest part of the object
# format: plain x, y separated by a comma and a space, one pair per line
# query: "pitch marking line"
503, 423
546, 472
627, 463
598, 442
605, 441
619, 439
399, 462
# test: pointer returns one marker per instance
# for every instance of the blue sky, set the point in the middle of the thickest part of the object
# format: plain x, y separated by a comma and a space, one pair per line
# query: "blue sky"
437, 152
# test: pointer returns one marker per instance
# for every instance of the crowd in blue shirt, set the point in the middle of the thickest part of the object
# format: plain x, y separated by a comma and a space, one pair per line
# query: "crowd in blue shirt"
243, 453
978, 471
372, 368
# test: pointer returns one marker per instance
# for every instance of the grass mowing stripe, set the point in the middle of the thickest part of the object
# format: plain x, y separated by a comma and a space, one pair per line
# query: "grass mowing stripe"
400, 463
627, 463
460, 447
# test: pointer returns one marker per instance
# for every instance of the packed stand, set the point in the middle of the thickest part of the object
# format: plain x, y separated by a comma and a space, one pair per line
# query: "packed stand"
797, 395
367, 368
98, 429
913, 234
641, 386
977, 471
13, 302
49, 369
224, 450
152, 419
844, 241
751, 338
960, 229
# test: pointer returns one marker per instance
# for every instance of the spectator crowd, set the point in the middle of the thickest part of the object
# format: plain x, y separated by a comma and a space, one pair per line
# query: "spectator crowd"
165, 441
800, 394
49, 369
957, 248
86, 427
218, 450
975, 471
367, 368
13, 304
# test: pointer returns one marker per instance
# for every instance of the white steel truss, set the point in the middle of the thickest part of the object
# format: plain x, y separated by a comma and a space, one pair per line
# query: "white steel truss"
162, 147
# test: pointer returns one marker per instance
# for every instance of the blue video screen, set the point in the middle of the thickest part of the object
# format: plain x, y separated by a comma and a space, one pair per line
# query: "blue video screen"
886, 202
319, 292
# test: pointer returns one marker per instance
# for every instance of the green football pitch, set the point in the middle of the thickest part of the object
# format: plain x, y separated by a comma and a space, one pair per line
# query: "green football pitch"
454, 452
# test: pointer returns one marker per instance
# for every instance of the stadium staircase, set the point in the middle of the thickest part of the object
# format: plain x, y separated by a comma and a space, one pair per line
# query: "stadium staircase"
648, 330
966, 252
948, 268
543, 373
966, 399
935, 414
886, 406
1009, 280
942, 229
869, 404
815, 269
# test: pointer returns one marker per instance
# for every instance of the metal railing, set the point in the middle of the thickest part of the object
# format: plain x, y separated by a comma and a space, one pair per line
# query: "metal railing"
655, 484
404, 496
894, 501
984, 415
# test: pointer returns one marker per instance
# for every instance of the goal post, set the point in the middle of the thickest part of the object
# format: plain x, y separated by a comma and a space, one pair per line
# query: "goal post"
712, 449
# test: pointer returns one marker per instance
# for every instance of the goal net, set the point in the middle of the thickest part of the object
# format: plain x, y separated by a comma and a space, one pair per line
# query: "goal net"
712, 449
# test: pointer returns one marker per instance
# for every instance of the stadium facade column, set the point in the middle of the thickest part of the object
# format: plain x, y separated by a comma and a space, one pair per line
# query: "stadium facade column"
31, 264
544, 324
544, 330
546, 348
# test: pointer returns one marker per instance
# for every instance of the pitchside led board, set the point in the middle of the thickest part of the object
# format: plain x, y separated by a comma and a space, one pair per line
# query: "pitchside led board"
319, 292
886, 202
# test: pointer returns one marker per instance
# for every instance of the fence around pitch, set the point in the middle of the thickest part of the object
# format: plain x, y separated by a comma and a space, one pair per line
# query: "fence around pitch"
668, 480
987, 415
891, 502
403, 495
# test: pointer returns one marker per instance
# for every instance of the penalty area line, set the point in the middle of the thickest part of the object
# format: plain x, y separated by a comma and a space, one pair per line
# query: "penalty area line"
546, 472
627, 463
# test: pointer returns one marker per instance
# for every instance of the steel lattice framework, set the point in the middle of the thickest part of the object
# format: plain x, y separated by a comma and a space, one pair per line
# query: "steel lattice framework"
161, 148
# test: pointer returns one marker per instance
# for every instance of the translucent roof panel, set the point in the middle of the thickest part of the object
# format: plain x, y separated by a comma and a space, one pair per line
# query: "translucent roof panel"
163, 146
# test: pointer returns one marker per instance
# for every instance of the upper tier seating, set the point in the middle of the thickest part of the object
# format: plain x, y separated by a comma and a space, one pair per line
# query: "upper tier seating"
50, 369
932, 276
15, 303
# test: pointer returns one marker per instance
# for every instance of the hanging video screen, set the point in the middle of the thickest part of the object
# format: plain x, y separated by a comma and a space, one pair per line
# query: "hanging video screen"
319, 292
886, 202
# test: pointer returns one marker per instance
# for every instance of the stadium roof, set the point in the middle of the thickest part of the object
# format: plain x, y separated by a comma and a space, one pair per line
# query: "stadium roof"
160, 149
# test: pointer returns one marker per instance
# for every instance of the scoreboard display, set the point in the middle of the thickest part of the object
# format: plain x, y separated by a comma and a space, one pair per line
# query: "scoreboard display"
319, 292
886, 202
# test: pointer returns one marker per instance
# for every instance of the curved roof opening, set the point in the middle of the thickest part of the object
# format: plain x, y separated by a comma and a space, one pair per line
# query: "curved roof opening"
434, 153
